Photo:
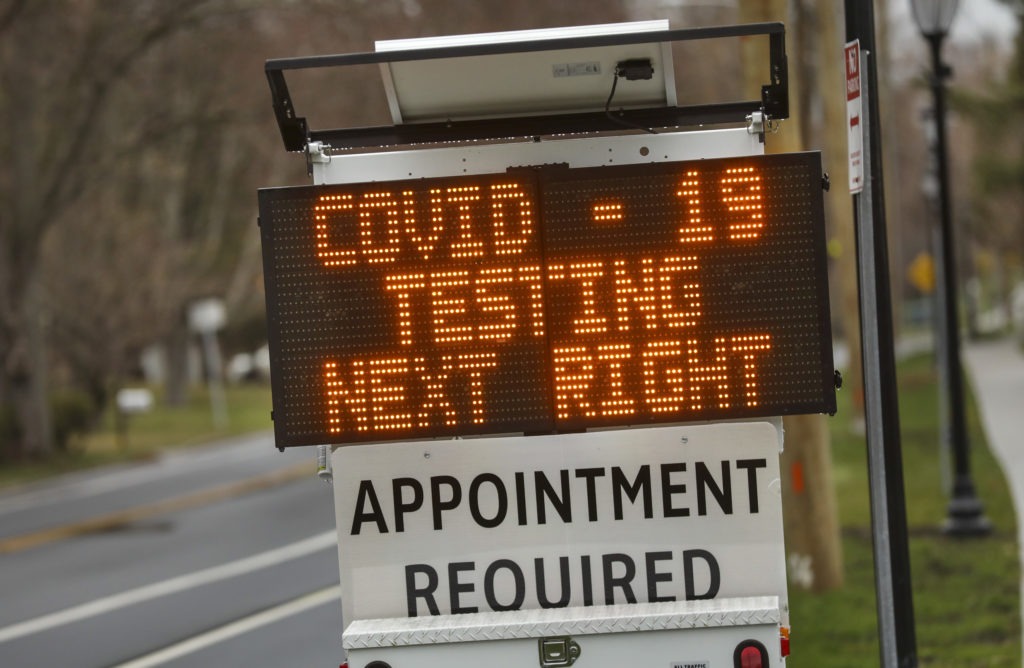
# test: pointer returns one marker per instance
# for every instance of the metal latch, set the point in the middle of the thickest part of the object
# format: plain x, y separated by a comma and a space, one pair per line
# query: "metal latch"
558, 651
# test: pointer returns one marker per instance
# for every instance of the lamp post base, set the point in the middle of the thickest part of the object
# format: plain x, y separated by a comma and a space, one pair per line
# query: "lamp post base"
966, 516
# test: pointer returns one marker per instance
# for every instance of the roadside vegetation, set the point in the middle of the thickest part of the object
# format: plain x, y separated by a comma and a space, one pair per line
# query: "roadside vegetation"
142, 436
966, 591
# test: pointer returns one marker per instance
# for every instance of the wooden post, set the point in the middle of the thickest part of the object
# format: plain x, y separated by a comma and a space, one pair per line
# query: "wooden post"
813, 547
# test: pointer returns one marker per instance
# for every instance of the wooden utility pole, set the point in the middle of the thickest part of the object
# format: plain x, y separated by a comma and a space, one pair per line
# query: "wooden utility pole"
813, 545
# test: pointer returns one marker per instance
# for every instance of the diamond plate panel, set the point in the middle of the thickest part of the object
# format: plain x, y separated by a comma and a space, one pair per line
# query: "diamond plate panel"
397, 632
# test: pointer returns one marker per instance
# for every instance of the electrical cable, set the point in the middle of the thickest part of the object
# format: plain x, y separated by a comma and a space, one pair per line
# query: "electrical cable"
621, 71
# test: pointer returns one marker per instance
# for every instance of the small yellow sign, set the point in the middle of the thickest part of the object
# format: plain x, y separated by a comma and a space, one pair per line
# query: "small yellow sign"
921, 273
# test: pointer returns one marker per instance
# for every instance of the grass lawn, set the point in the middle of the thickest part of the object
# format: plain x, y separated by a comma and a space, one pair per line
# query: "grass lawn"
966, 591
248, 410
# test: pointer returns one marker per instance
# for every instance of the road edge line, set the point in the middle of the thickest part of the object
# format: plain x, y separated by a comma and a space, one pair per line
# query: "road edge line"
170, 586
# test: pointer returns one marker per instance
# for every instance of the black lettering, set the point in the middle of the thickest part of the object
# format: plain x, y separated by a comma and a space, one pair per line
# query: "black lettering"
714, 575
591, 475
412, 592
654, 577
456, 588
706, 481
436, 504
474, 500
752, 465
542, 588
588, 583
521, 497
642, 483
401, 507
367, 494
562, 504
668, 489
517, 576
624, 582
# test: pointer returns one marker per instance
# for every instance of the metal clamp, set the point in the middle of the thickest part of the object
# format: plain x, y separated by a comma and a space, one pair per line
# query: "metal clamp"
318, 152
755, 123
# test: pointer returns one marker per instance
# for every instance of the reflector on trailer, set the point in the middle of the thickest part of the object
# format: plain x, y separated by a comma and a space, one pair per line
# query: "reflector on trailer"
750, 654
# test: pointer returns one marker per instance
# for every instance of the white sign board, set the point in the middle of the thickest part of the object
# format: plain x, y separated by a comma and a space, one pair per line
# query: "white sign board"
854, 127
207, 315
602, 518
132, 400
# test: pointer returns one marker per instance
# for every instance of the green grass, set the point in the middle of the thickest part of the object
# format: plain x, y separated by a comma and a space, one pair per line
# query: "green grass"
248, 410
966, 591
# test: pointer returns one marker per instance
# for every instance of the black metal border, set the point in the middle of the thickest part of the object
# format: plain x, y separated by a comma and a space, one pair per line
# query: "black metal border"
295, 131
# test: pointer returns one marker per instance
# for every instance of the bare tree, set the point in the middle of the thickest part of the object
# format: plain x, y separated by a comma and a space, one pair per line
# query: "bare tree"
132, 153
65, 138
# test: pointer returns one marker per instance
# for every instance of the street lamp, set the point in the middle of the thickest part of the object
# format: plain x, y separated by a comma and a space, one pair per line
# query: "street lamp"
966, 517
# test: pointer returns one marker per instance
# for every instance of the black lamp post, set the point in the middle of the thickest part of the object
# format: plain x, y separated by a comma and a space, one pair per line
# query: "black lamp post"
966, 516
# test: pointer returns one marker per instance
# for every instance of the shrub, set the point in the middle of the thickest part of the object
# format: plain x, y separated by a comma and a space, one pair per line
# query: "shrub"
74, 414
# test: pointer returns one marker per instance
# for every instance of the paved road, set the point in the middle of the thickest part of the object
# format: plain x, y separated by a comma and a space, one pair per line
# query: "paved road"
219, 556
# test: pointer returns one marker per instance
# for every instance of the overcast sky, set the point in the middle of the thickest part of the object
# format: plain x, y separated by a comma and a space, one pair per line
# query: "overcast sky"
975, 20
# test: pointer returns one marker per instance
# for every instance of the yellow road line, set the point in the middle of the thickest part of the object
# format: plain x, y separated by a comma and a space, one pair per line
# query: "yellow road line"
123, 518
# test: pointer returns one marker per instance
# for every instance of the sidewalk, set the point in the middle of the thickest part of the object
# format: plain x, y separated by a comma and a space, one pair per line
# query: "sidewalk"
996, 373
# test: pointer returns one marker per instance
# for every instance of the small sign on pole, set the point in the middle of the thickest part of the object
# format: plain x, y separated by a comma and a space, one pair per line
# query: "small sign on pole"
854, 129
206, 317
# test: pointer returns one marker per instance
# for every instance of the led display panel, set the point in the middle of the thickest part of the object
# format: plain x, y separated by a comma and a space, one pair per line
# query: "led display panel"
547, 300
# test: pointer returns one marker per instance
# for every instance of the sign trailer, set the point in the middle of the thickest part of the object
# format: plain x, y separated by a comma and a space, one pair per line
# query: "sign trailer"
550, 352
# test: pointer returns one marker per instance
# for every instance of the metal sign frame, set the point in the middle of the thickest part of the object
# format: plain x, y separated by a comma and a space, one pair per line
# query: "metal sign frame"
296, 133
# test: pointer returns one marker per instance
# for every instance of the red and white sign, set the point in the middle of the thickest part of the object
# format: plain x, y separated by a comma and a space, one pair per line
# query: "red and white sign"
854, 127
602, 518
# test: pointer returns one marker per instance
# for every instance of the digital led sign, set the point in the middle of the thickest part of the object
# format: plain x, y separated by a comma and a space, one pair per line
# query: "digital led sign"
547, 300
